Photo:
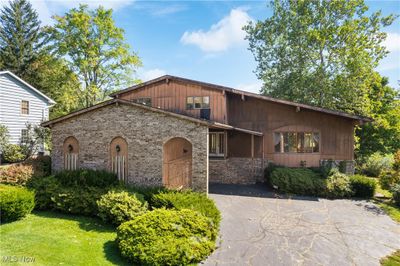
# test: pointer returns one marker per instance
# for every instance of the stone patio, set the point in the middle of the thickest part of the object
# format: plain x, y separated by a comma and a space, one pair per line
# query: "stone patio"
260, 227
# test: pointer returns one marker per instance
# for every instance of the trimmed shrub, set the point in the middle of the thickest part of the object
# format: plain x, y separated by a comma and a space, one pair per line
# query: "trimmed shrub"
147, 192
52, 195
338, 185
17, 174
362, 186
13, 153
388, 178
45, 188
41, 165
77, 200
377, 163
119, 207
268, 171
396, 194
87, 178
188, 200
300, 181
15, 202
167, 237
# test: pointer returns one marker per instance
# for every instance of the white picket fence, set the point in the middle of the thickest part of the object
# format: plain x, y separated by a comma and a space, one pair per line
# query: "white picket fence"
71, 161
118, 167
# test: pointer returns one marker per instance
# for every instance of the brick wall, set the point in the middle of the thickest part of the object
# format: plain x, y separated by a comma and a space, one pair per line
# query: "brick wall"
236, 170
145, 132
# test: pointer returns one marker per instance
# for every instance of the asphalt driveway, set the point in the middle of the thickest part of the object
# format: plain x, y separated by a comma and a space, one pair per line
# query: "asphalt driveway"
260, 227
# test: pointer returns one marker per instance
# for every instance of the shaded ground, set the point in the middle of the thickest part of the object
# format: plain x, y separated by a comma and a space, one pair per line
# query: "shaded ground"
262, 228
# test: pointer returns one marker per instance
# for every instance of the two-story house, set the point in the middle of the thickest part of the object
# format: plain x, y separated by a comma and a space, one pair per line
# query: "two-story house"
20, 105
179, 132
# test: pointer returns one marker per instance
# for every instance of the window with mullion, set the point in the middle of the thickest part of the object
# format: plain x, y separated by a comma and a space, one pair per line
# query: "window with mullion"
217, 144
296, 142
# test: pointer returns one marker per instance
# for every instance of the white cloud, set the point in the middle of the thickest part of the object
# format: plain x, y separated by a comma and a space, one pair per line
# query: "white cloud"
253, 87
222, 35
146, 75
171, 9
392, 41
47, 8
114, 4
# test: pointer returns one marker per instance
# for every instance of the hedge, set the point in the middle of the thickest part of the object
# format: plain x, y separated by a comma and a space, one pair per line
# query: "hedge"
362, 186
15, 202
188, 200
118, 207
167, 237
300, 181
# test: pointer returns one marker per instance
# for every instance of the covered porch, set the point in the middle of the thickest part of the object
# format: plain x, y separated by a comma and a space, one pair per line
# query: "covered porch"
236, 155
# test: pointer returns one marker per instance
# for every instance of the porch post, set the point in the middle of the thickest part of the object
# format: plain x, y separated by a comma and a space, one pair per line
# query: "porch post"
252, 146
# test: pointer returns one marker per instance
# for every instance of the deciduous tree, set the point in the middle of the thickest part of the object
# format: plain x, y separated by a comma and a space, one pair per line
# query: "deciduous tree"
96, 51
319, 52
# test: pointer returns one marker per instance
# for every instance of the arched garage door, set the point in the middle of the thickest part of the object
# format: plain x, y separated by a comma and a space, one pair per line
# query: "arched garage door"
177, 163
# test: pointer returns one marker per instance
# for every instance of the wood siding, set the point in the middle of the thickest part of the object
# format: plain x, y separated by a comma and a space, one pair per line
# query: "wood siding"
12, 92
336, 133
171, 96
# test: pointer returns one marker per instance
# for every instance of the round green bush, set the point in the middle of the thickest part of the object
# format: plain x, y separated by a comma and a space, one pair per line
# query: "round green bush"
188, 200
167, 237
377, 163
13, 153
15, 202
388, 178
396, 194
338, 185
362, 186
119, 207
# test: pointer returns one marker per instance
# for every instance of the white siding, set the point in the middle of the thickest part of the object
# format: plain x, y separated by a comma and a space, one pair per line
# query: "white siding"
12, 92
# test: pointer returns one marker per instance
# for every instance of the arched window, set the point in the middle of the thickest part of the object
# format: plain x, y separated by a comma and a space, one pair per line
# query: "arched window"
118, 158
71, 153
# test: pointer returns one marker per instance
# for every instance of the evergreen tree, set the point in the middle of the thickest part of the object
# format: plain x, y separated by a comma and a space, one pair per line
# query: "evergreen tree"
21, 38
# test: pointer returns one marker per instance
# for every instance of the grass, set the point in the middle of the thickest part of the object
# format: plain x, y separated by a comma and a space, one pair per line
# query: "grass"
385, 203
392, 210
392, 260
53, 239
384, 192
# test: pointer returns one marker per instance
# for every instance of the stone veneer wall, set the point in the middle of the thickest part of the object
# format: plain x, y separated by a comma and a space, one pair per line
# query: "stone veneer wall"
344, 166
236, 170
145, 132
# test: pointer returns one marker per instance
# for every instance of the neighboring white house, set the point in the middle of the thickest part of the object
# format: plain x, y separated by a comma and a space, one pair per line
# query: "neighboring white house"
20, 104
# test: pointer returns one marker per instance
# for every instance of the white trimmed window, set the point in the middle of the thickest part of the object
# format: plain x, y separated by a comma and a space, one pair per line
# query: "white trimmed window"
217, 144
24, 135
25, 107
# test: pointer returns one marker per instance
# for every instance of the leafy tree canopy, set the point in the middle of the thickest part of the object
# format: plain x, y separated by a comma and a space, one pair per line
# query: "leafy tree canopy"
319, 52
95, 50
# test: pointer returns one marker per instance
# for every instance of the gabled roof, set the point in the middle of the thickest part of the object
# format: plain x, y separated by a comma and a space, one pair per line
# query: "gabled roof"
211, 124
48, 99
244, 93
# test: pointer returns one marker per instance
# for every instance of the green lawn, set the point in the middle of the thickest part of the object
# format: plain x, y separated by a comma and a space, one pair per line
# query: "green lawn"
60, 239
392, 260
392, 210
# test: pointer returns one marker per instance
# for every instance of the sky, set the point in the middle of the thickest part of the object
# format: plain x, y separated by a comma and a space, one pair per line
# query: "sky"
204, 40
